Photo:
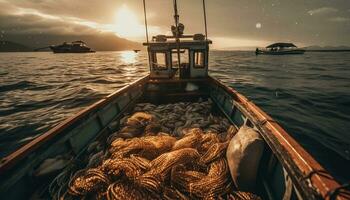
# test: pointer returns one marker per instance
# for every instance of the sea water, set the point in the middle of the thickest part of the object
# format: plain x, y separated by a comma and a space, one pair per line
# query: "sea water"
309, 95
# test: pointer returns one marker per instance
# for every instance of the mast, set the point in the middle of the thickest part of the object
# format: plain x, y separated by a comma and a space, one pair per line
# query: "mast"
176, 18
205, 21
145, 15
176, 15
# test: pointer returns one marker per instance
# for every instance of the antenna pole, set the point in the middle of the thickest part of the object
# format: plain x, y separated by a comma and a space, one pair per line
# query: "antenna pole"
145, 14
205, 20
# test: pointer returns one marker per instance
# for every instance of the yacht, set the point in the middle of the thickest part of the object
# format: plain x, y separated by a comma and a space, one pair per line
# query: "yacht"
280, 48
73, 47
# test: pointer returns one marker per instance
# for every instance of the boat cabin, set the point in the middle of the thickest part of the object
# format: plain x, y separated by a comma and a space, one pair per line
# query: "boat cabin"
79, 43
281, 46
180, 57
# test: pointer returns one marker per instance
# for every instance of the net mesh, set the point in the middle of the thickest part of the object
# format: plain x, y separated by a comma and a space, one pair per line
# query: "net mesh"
172, 151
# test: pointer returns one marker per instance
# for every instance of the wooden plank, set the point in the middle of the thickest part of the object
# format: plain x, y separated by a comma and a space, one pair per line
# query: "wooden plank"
106, 114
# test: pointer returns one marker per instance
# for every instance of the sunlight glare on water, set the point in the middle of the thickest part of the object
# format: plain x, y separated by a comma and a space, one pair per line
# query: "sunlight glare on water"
129, 57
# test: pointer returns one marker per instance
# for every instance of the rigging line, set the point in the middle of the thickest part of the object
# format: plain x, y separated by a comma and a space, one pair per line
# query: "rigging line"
205, 20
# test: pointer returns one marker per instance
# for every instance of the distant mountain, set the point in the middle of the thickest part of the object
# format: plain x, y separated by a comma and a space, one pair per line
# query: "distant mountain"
109, 42
327, 48
100, 42
7, 46
309, 48
243, 48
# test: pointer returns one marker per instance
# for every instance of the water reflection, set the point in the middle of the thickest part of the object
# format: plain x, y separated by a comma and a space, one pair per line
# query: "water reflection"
129, 57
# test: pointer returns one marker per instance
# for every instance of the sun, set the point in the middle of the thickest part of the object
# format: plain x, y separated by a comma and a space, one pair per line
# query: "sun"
127, 24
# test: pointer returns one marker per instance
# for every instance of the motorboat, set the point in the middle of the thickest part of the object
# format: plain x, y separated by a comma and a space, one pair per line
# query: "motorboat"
280, 49
73, 47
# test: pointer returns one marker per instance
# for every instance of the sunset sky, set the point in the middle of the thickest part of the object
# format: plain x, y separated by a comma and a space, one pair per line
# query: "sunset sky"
231, 23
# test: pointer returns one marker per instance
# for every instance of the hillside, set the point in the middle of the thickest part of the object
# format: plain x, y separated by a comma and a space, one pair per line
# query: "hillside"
7, 46
98, 42
327, 48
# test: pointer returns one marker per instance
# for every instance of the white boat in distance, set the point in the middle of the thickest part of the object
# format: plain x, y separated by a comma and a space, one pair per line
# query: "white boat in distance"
280, 48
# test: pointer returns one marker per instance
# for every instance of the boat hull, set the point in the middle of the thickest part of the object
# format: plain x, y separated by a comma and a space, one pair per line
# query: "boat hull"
285, 166
70, 50
287, 52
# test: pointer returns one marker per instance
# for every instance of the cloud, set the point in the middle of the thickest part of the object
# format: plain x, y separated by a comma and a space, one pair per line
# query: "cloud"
67, 17
339, 19
35, 28
33, 24
322, 11
92, 10
22, 20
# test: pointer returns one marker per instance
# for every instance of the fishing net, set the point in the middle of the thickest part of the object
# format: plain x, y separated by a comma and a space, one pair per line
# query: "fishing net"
216, 183
181, 178
128, 191
150, 182
162, 164
87, 181
162, 143
191, 140
132, 146
121, 167
130, 131
153, 129
128, 167
172, 194
231, 131
208, 140
141, 162
140, 119
239, 195
214, 152
148, 147
172, 151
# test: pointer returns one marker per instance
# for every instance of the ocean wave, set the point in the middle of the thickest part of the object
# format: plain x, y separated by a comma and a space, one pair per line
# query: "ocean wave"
16, 86
307, 94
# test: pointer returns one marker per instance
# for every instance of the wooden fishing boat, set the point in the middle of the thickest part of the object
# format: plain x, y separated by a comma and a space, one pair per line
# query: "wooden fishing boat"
286, 170
280, 48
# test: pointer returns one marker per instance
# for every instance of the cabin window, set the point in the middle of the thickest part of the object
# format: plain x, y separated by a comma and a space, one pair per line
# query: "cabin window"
184, 58
159, 61
199, 59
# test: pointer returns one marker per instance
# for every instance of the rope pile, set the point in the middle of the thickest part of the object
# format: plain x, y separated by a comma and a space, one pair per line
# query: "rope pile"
172, 151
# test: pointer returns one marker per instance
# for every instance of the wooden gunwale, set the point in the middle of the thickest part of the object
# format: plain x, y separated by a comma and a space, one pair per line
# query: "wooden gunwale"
9, 161
323, 183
